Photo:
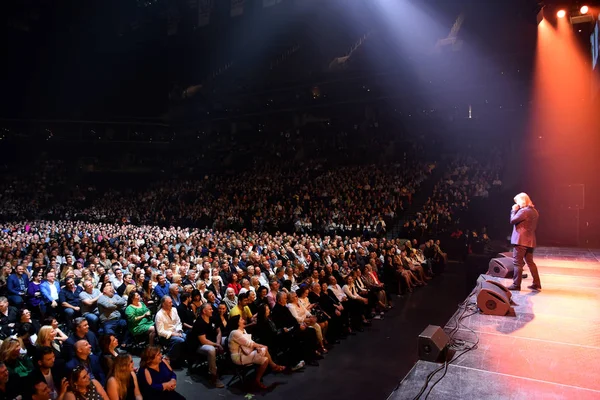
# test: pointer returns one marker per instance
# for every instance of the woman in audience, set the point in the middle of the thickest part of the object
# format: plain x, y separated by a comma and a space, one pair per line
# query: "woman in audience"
139, 318
245, 351
197, 301
109, 345
81, 387
303, 316
234, 284
34, 293
314, 309
373, 283
17, 363
357, 304
60, 336
156, 377
221, 320
261, 296
122, 382
47, 338
278, 340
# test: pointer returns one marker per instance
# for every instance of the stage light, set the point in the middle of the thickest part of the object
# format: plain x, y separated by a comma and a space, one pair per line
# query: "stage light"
561, 13
584, 10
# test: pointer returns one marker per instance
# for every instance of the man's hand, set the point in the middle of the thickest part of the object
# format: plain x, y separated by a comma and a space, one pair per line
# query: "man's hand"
515, 207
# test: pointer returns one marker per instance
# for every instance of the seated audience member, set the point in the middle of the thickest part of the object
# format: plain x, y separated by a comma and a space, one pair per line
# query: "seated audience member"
162, 288
70, 301
83, 386
109, 345
34, 293
184, 310
356, 303
170, 328
230, 299
278, 340
19, 366
24, 317
46, 337
16, 286
304, 317
39, 390
373, 283
139, 318
174, 293
46, 370
272, 295
82, 332
85, 359
326, 306
50, 293
122, 382
8, 318
89, 303
156, 377
205, 339
197, 301
110, 306
118, 281
245, 351
212, 300
10, 386
26, 335
221, 320
365, 292
234, 283
304, 337
60, 336
242, 308
217, 288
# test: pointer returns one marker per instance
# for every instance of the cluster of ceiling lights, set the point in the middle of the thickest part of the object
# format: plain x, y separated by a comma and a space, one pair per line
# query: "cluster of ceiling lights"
583, 10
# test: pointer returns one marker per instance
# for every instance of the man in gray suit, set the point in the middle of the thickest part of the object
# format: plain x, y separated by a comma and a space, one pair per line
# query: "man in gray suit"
524, 218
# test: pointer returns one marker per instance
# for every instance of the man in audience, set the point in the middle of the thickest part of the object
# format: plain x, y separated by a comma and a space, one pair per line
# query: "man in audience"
46, 371
17, 284
272, 295
70, 301
306, 338
170, 328
8, 318
162, 288
111, 306
89, 303
83, 357
205, 338
82, 332
50, 289
9, 389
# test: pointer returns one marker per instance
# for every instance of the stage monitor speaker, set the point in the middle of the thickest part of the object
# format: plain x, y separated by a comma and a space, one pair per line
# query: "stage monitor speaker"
501, 267
494, 299
433, 344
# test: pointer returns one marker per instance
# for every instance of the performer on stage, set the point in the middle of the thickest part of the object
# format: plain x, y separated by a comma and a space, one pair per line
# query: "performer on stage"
524, 218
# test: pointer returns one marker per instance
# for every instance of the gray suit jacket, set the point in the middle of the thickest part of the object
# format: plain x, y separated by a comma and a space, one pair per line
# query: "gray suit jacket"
524, 223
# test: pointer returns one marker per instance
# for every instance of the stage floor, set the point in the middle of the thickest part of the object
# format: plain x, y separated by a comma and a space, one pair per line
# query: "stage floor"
550, 350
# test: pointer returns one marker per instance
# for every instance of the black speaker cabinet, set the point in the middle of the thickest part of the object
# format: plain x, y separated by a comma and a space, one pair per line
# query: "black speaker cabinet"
501, 267
494, 299
433, 344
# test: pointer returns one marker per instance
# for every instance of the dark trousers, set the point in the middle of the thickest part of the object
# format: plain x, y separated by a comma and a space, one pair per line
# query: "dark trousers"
524, 255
